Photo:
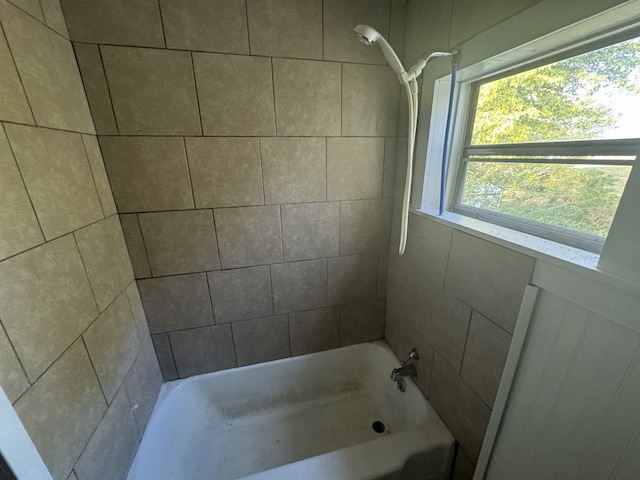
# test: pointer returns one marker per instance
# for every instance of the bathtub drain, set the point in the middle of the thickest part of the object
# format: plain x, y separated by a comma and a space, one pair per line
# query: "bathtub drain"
378, 426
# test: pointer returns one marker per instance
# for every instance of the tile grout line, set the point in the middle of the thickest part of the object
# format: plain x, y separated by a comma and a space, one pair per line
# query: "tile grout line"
235, 54
164, 35
195, 85
75, 239
215, 231
93, 177
274, 96
24, 370
95, 372
273, 301
322, 33
186, 158
144, 243
41, 22
15, 65
233, 342
246, 16
173, 357
106, 81
264, 197
213, 314
123, 135
26, 189
44, 22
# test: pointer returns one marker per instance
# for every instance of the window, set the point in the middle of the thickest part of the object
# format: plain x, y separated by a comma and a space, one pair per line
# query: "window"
549, 149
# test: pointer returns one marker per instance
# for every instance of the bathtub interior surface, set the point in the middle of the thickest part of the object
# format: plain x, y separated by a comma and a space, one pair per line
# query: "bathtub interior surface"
242, 422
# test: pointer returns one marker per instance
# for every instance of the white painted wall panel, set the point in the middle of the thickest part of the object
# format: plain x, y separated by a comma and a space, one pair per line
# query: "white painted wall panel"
573, 410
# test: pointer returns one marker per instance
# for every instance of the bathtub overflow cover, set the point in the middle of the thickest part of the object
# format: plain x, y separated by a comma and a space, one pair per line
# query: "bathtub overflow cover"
378, 426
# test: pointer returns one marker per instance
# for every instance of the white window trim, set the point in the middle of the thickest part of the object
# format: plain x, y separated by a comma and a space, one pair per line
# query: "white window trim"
617, 21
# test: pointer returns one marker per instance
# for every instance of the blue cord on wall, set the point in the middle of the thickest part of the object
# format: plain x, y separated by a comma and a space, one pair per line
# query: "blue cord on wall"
446, 137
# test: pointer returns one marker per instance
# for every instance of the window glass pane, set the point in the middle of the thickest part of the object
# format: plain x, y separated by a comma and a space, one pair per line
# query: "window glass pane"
578, 197
595, 95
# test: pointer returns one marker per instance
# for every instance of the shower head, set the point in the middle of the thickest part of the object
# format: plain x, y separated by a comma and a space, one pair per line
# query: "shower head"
370, 36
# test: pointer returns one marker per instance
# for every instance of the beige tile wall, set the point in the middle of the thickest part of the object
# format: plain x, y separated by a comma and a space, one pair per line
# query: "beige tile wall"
250, 148
456, 299
452, 295
76, 356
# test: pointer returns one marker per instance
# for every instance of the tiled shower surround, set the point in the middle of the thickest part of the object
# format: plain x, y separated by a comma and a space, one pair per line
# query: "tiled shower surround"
76, 357
250, 147
248, 185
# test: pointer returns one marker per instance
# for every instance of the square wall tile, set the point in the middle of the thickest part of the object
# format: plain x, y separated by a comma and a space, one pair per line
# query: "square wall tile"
364, 226
294, 169
352, 279
153, 91
484, 357
261, 340
56, 172
225, 172
314, 330
354, 168
249, 236
362, 322
99, 174
307, 96
117, 22
241, 294
339, 19
20, 230
488, 277
12, 377
135, 245
428, 244
370, 100
143, 384
235, 94
165, 356
462, 411
310, 230
203, 350
95, 85
444, 320
206, 25
148, 173
176, 303
13, 100
49, 72
49, 410
113, 345
299, 286
180, 242
117, 434
43, 287
289, 28
105, 258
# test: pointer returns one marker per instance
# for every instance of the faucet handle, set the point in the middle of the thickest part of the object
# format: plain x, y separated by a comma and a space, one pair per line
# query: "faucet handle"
413, 355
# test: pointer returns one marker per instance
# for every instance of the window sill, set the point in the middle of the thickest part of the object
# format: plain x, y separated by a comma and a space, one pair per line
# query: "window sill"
525, 243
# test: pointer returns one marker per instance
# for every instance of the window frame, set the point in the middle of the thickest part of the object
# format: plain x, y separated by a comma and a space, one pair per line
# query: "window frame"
460, 145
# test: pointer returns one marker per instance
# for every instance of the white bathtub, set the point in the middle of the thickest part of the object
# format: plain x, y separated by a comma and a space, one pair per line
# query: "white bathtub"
306, 417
